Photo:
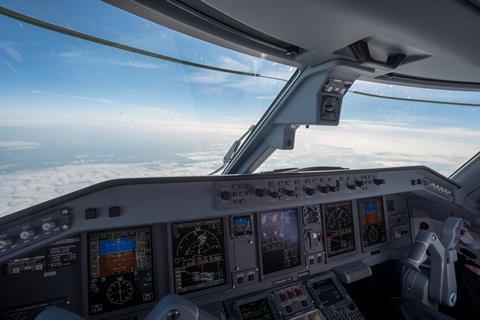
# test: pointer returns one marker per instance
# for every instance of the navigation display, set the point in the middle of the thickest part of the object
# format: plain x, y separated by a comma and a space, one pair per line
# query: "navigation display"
372, 218
280, 246
256, 310
327, 292
198, 255
339, 228
120, 269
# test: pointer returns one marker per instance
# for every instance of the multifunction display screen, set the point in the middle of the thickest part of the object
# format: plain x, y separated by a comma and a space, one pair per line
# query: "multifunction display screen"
372, 218
198, 254
339, 228
256, 310
120, 269
327, 292
241, 225
280, 246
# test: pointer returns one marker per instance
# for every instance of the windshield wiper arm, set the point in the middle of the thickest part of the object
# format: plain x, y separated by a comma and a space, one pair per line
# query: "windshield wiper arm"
232, 151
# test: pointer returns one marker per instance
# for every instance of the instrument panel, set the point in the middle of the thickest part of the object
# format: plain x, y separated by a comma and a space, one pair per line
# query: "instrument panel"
210, 247
198, 250
120, 269
339, 228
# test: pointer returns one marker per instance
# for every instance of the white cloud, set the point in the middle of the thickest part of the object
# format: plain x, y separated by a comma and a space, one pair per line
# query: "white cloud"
358, 144
22, 189
18, 145
73, 96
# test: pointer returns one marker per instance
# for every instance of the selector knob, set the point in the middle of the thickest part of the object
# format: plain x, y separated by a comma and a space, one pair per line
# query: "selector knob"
225, 195
274, 194
324, 189
359, 183
378, 181
289, 192
48, 226
5, 243
351, 186
333, 188
310, 191
27, 234
259, 192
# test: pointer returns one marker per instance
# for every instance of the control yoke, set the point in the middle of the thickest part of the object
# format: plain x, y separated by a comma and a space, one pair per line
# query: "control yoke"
174, 307
440, 280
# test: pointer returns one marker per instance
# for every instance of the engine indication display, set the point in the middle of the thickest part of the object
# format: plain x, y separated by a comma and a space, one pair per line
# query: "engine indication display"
372, 217
339, 228
279, 238
241, 226
120, 269
198, 255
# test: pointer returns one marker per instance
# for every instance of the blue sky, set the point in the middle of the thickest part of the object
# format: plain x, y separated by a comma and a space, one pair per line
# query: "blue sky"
74, 113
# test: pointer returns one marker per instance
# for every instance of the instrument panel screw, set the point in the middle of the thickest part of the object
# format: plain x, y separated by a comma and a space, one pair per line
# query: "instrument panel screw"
64, 211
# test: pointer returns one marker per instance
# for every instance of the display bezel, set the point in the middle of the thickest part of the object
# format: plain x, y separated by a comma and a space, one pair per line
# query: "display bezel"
206, 290
386, 223
357, 244
241, 302
301, 265
86, 266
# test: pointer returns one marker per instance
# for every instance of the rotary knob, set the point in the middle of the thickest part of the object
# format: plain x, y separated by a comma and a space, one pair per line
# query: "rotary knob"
5, 243
359, 183
259, 192
324, 189
27, 234
48, 226
225, 195
274, 194
309, 191
351, 186
289, 192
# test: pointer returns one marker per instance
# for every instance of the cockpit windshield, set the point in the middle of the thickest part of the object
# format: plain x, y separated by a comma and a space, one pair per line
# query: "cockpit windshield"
391, 125
75, 112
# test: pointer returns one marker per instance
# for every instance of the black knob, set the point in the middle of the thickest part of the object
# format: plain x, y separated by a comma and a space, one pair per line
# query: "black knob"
259, 192
274, 194
351, 186
359, 183
333, 188
310, 191
378, 181
324, 189
225, 195
289, 192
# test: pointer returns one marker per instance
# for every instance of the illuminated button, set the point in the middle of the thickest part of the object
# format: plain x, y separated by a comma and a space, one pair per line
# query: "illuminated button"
290, 293
48, 226
27, 234
319, 259
298, 291
283, 296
